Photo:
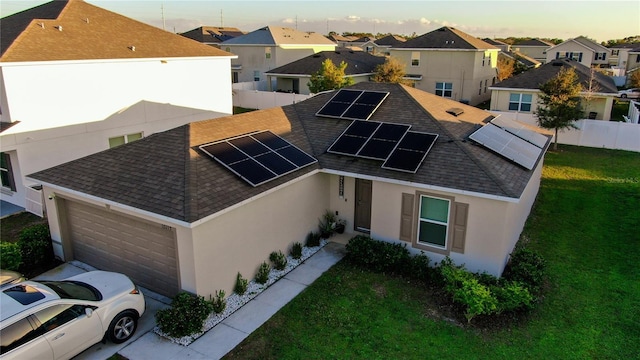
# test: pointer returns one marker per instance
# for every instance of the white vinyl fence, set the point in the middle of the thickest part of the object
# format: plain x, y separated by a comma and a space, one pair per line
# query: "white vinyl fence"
248, 95
592, 133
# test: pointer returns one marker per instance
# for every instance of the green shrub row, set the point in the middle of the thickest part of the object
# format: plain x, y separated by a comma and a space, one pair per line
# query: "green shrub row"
382, 256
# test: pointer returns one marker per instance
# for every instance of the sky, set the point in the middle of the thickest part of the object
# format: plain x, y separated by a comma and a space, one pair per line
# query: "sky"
599, 20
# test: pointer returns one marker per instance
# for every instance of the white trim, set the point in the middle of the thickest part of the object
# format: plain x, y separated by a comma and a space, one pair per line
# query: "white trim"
91, 61
446, 225
493, 88
439, 49
423, 186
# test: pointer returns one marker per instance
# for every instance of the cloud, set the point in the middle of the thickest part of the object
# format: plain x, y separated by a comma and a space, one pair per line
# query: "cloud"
352, 18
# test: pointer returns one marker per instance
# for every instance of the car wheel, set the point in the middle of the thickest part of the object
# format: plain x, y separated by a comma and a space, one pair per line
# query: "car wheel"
624, 96
123, 326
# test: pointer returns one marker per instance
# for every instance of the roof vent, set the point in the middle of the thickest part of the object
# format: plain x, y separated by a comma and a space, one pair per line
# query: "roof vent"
132, 48
41, 25
86, 20
316, 55
59, 27
455, 111
556, 63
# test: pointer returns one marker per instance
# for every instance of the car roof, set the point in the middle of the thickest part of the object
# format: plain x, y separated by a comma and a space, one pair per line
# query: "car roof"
9, 306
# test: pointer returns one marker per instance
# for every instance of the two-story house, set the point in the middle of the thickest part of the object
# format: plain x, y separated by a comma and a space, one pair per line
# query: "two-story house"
533, 48
77, 79
212, 35
580, 49
450, 63
270, 47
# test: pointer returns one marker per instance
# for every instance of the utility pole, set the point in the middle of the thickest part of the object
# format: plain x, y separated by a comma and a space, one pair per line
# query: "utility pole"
221, 21
162, 11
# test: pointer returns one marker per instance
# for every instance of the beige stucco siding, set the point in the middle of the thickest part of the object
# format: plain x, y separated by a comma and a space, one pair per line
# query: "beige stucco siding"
536, 52
286, 84
241, 239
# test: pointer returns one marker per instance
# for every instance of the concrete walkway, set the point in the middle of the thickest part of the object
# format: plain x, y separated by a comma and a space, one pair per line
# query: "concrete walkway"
225, 336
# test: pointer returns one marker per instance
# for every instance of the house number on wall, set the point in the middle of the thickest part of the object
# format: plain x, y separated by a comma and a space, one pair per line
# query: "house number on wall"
341, 186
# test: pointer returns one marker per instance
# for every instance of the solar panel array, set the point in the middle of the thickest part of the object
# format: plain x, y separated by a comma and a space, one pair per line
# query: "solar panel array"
399, 148
353, 104
508, 145
521, 131
259, 157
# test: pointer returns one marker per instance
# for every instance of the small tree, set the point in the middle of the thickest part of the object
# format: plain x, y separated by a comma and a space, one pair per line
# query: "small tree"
634, 79
329, 77
392, 71
505, 67
559, 102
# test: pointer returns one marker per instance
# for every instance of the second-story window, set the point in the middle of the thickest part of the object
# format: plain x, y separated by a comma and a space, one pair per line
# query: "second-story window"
267, 53
444, 89
415, 58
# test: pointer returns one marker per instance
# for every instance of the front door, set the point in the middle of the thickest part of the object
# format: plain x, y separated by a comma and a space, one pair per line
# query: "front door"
362, 220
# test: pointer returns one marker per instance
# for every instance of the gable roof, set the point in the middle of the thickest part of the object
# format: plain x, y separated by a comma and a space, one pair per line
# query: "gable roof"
275, 35
494, 42
534, 78
76, 30
358, 62
533, 42
212, 34
522, 58
446, 37
583, 41
167, 174
390, 40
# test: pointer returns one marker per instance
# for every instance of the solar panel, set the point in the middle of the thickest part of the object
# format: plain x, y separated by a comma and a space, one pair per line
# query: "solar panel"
410, 152
507, 144
258, 158
521, 131
353, 104
369, 139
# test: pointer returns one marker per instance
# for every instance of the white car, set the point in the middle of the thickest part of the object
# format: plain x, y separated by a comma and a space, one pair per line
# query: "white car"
60, 319
630, 93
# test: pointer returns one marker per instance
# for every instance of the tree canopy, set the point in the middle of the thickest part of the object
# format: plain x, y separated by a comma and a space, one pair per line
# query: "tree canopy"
329, 77
559, 102
392, 71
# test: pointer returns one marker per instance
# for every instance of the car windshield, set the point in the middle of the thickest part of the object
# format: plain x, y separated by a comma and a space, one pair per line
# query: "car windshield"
74, 290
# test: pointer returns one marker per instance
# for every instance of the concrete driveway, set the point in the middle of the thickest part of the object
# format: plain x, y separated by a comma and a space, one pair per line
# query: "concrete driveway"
147, 322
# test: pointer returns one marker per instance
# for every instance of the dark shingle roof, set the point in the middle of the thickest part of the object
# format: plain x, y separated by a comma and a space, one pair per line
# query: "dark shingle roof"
166, 174
533, 42
76, 30
446, 38
358, 62
390, 40
212, 34
534, 78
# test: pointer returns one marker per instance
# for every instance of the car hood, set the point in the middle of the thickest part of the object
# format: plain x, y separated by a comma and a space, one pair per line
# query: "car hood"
109, 284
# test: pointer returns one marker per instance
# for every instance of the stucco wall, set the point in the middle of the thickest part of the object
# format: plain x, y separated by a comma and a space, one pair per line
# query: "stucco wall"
241, 239
536, 52
463, 69
571, 46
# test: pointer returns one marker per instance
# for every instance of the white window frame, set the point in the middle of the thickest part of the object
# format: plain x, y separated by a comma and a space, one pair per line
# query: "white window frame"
431, 221
442, 86
520, 102
11, 186
415, 58
127, 138
267, 53
256, 75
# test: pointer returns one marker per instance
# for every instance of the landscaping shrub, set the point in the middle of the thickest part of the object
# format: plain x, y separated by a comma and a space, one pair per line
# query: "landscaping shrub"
35, 247
278, 259
296, 250
263, 273
527, 267
512, 296
326, 224
219, 303
241, 285
380, 256
313, 239
186, 315
419, 268
10, 256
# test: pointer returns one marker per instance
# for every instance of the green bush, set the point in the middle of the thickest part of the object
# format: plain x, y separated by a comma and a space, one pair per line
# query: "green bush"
512, 296
263, 273
313, 239
380, 256
278, 259
186, 315
296, 250
36, 248
219, 303
10, 256
527, 267
326, 224
241, 285
419, 268
477, 298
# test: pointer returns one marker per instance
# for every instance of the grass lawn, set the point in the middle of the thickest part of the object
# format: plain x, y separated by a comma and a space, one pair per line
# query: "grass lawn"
585, 223
11, 226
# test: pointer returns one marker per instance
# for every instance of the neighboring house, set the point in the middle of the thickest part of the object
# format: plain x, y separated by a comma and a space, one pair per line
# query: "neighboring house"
213, 35
450, 63
580, 49
341, 41
294, 77
520, 94
381, 46
524, 60
633, 60
364, 43
533, 48
624, 56
504, 47
67, 71
163, 211
270, 47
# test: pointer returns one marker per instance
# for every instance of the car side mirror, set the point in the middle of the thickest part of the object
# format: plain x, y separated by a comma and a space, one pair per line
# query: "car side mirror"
88, 311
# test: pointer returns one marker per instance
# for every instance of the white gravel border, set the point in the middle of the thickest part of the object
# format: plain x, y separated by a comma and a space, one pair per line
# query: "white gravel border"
235, 301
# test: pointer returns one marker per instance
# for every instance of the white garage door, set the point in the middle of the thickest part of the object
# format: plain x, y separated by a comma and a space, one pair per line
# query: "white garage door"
112, 241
